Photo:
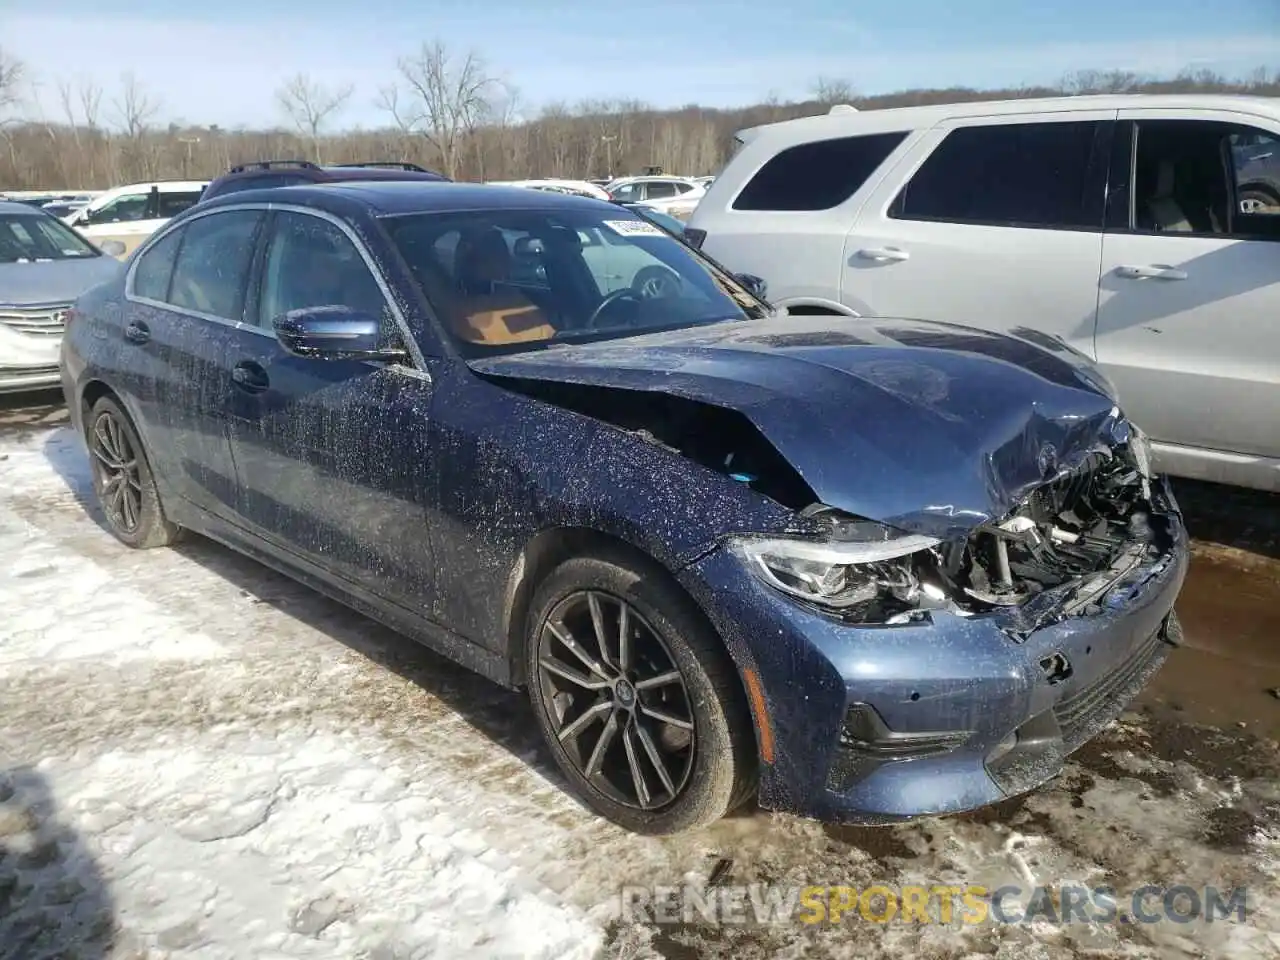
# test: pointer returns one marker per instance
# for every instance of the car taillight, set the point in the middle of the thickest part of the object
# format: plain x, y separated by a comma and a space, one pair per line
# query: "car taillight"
695, 237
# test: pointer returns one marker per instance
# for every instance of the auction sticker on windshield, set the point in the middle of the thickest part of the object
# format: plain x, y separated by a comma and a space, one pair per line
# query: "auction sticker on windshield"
635, 228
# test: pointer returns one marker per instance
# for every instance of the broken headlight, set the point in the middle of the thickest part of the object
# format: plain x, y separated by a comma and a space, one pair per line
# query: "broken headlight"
859, 564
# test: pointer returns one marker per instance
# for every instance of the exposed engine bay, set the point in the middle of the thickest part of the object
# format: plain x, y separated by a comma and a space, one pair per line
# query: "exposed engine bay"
1070, 540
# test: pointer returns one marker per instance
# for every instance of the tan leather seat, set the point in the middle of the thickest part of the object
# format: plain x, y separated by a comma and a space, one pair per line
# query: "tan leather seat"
492, 311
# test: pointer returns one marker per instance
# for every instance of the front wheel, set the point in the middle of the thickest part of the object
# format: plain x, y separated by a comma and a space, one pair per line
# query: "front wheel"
123, 481
636, 696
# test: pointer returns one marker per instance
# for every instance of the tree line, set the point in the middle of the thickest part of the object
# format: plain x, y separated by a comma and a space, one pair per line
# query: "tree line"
448, 111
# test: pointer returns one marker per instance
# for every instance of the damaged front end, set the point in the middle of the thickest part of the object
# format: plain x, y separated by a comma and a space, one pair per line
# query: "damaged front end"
1067, 544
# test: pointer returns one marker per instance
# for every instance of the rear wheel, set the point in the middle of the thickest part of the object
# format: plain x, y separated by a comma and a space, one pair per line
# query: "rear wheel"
636, 697
123, 481
1258, 200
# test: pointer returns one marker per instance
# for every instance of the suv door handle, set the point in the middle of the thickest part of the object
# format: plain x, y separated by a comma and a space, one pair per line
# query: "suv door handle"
883, 253
137, 332
250, 377
1154, 271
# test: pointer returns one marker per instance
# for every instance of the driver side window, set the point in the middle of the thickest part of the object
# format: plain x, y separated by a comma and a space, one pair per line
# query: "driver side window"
128, 208
312, 263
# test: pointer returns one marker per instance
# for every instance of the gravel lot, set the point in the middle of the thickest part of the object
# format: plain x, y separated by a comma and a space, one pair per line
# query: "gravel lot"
199, 758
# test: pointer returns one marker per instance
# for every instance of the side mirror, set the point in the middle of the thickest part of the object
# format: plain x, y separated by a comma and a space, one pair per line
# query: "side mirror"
756, 286
113, 248
333, 333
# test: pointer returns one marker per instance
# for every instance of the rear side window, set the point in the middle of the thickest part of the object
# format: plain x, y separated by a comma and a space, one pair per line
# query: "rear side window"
155, 267
1021, 174
817, 176
172, 204
213, 264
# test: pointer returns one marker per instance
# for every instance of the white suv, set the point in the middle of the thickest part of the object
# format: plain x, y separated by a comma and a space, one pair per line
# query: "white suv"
1142, 230
132, 213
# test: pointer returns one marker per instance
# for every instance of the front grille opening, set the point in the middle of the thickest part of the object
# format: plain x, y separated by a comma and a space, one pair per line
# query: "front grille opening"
35, 321
1097, 520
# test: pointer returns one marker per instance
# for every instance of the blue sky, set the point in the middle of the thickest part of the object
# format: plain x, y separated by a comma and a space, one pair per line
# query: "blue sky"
219, 61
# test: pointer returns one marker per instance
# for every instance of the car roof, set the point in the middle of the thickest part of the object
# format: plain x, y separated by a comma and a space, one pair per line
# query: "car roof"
908, 118
392, 197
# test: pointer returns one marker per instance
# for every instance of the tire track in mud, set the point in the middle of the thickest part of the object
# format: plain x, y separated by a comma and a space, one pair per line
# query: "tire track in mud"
1143, 804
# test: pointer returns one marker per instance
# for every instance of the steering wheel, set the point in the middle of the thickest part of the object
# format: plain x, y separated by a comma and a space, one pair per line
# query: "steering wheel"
622, 293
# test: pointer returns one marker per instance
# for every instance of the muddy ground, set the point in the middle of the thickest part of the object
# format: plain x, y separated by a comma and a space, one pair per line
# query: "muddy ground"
201, 758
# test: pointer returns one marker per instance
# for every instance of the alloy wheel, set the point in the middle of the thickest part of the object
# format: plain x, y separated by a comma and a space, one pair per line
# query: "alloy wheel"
616, 700
119, 482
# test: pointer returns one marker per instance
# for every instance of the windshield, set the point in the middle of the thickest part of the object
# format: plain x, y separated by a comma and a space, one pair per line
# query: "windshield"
31, 237
507, 280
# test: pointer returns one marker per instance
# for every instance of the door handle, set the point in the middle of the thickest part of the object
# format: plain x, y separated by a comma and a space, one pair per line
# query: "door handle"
137, 332
250, 377
1154, 271
890, 254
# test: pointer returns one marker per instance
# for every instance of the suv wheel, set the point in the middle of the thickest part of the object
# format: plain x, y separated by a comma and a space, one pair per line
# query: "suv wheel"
636, 696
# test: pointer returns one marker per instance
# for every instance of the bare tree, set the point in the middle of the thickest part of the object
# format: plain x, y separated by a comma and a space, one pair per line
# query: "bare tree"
832, 90
443, 97
310, 105
134, 108
11, 74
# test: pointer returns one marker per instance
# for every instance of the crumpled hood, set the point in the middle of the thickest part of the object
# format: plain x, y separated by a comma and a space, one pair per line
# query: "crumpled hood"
929, 427
53, 281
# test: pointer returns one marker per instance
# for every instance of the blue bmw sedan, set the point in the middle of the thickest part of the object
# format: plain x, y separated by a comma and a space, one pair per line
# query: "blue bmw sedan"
861, 569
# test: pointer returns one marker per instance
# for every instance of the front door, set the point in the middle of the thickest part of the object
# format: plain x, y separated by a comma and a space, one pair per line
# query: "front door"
1190, 289
332, 456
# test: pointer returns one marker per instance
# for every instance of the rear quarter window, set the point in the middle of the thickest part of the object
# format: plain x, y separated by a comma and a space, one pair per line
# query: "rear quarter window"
818, 175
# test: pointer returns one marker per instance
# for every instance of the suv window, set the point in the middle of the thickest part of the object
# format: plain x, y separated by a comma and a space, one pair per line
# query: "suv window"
659, 190
172, 204
1018, 174
155, 267
123, 209
312, 263
212, 268
1181, 183
627, 193
818, 175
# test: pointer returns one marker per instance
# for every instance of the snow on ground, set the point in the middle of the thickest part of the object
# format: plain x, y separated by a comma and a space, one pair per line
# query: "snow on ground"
200, 758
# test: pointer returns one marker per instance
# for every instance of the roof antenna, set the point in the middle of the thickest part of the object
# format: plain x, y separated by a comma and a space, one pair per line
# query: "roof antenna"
842, 108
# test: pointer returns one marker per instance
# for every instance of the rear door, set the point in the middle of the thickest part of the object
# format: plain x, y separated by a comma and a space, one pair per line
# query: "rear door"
184, 298
995, 223
332, 456
1190, 291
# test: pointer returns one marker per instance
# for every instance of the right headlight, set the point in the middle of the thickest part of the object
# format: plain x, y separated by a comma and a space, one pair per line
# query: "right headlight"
858, 564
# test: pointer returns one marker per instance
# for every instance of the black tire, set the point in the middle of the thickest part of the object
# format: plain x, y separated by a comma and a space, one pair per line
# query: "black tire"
712, 765
122, 479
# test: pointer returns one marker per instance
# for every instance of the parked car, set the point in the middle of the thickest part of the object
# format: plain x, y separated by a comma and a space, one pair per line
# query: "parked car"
284, 173
648, 189
132, 213
1257, 164
61, 208
1136, 229
868, 569
44, 266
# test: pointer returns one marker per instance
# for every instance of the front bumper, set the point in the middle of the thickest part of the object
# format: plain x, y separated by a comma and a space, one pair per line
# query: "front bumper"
1020, 706
28, 362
